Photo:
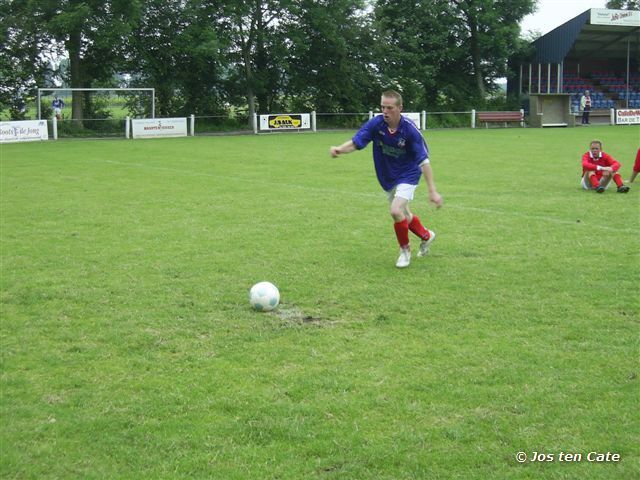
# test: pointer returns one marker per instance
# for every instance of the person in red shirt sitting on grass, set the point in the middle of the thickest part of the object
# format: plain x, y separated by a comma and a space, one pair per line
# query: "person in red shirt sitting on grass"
598, 168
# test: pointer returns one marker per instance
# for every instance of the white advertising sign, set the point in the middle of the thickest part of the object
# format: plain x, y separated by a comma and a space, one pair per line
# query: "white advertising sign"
158, 127
603, 16
23, 131
629, 116
285, 121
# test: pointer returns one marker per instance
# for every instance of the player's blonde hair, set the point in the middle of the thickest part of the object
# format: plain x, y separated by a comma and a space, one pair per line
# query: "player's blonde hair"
599, 142
393, 94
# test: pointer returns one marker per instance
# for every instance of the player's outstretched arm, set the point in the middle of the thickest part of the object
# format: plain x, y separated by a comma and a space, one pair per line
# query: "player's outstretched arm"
346, 147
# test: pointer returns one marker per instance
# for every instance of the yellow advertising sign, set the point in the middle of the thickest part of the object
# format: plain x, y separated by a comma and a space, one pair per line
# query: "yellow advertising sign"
285, 121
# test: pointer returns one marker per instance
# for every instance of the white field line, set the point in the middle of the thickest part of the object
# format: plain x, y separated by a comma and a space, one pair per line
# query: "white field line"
381, 195
545, 218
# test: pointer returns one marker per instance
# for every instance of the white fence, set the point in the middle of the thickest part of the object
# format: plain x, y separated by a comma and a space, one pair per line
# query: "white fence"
36, 130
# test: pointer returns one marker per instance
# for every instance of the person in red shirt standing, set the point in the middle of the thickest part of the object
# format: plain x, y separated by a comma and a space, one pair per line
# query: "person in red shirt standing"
598, 168
636, 168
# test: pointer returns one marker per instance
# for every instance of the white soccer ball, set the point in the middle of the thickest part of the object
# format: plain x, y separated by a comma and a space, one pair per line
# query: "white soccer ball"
264, 296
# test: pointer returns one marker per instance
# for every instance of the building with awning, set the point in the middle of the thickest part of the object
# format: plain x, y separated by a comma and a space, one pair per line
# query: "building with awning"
598, 50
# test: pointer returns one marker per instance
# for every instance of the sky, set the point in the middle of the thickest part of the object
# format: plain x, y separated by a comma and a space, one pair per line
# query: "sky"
553, 13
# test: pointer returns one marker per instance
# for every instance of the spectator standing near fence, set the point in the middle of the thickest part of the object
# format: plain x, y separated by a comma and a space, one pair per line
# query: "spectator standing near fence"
58, 105
599, 168
400, 157
636, 168
585, 107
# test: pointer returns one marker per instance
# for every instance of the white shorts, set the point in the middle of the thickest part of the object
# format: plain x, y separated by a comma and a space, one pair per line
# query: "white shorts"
586, 184
57, 111
402, 190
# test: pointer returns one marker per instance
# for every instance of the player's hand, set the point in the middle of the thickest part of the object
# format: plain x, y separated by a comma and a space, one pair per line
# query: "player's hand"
436, 198
334, 151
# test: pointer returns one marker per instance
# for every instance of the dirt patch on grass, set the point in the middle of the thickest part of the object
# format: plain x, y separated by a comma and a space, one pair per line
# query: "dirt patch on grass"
291, 315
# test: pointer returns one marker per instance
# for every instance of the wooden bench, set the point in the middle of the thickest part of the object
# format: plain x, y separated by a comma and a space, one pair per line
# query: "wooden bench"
500, 117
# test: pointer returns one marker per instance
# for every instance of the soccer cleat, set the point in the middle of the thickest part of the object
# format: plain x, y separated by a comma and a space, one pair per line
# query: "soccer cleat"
623, 189
425, 244
600, 189
404, 259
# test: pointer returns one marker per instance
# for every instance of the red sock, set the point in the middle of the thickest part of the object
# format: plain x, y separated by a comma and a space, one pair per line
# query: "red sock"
618, 179
402, 232
595, 181
416, 227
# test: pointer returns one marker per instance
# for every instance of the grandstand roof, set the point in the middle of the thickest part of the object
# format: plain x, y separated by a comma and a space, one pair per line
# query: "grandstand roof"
596, 33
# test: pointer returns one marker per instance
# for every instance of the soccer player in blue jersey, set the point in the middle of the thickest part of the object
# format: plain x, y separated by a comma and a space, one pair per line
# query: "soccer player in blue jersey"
58, 105
401, 157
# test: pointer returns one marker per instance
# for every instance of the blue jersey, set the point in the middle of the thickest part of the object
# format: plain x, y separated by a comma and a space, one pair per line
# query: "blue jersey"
397, 157
57, 103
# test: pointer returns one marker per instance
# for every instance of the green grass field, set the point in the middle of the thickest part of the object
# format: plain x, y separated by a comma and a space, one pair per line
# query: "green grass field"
129, 349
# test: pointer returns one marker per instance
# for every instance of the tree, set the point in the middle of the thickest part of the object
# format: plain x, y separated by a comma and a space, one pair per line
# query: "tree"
623, 4
90, 33
330, 66
177, 48
453, 49
201, 61
25, 52
420, 53
489, 31
204, 55
251, 28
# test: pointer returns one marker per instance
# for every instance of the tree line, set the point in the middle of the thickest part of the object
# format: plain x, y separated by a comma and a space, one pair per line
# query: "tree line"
207, 56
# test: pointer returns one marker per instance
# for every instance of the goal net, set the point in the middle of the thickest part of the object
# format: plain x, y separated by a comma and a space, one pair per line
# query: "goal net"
94, 111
